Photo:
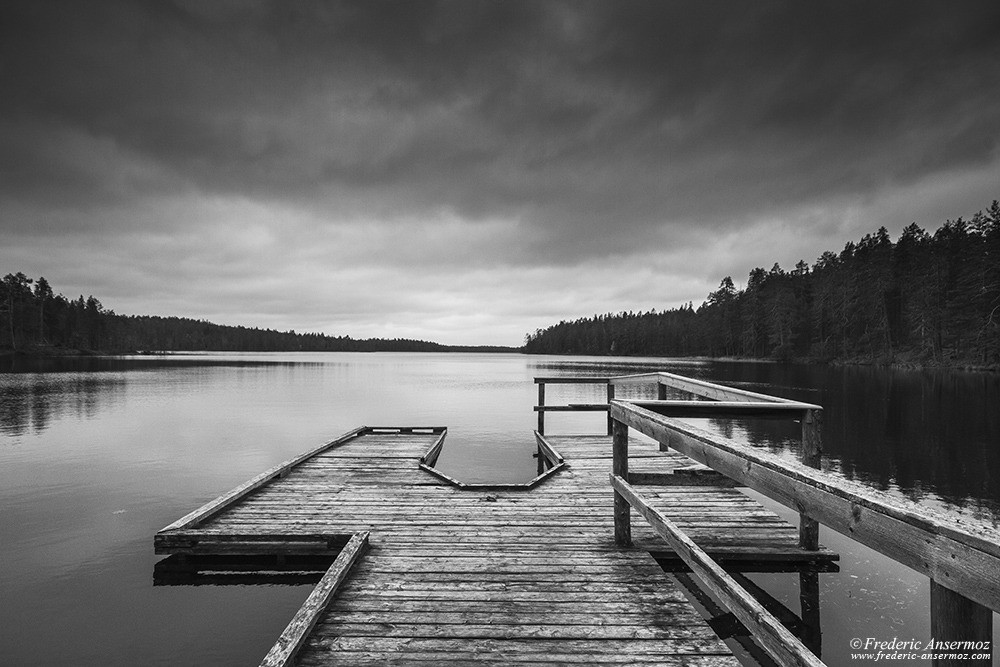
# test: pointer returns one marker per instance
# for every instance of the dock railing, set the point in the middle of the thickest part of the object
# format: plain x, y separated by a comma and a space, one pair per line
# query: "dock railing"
542, 408
961, 559
722, 402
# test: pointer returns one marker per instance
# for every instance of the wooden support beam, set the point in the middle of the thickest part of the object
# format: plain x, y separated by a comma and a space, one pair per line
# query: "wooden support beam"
431, 457
442, 476
282, 654
722, 621
611, 397
785, 616
809, 606
955, 618
678, 478
572, 407
547, 450
780, 644
619, 467
753, 562
571, 380
540, 406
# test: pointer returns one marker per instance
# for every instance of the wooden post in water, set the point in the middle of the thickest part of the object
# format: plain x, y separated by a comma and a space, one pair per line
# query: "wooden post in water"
541, 404
812, 453
661, 395
611, 397
619, 466
956, 618
812, 635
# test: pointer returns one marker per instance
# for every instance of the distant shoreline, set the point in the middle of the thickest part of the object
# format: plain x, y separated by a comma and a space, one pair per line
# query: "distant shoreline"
895, 363
51, 352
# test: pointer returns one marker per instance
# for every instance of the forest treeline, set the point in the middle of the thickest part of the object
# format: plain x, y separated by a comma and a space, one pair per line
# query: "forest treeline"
927, 298
35, 319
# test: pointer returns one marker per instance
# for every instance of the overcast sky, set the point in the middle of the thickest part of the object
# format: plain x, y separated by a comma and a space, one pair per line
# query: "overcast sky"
467, 172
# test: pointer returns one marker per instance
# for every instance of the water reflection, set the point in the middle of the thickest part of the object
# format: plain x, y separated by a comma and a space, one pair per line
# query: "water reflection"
30, 403
928, 435
97, 454
932, 436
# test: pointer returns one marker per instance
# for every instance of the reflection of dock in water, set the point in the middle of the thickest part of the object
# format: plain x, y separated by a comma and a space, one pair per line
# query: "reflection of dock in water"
423, 567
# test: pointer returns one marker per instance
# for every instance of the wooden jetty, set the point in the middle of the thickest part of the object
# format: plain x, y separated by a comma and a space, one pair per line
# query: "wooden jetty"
429, 569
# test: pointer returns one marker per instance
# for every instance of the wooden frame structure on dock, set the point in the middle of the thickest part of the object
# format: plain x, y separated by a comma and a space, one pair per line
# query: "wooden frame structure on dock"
489, 552
962, 561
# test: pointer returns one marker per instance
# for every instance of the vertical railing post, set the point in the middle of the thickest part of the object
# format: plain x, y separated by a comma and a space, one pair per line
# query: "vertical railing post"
661, 395
955, 618
611, 397
812, 453
541, 406
619, 466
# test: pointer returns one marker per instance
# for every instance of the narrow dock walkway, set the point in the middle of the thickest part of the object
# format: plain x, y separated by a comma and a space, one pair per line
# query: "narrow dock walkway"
491, 576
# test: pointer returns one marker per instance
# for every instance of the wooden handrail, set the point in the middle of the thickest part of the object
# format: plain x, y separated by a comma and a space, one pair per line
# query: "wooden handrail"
701, 388
781, 645
962, 558
724, 402
726, 409
283, 653
574, 407
541, 408
572, 379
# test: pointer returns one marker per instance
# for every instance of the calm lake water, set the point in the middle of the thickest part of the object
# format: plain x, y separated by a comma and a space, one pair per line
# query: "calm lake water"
98, 454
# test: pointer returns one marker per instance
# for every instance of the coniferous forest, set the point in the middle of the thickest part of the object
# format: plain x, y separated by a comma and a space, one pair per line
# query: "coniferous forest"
925, 299
34, 319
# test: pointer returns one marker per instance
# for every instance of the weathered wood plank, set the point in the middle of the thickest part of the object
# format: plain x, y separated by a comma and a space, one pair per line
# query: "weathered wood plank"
482, 565
955, 618
535, 646
434, 627
725, 409
494, 653
431, 457
294, 636
619, 446
573, 407
678, 479
546, 448
571, 380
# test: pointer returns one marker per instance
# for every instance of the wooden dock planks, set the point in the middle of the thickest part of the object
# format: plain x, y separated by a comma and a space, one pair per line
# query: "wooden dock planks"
492, 576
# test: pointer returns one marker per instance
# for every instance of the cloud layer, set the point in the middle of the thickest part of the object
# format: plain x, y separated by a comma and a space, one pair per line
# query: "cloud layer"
468, 171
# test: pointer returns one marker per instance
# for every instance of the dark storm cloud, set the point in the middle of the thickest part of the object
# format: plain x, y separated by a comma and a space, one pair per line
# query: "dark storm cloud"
393, 164
567, 116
